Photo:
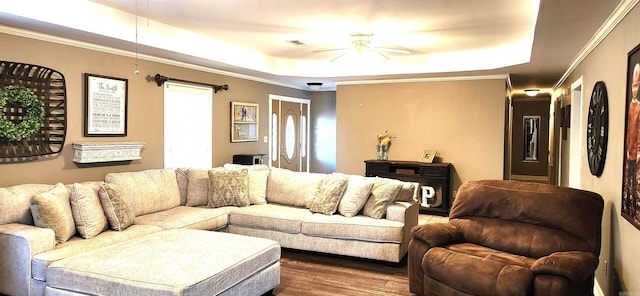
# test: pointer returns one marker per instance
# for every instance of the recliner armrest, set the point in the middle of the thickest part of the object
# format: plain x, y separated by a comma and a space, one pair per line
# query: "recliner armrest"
437, 234
574, 265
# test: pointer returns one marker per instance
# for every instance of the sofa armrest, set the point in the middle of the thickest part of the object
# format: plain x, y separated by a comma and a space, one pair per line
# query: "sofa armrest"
18, 244
574, 265
437, 234
398, 211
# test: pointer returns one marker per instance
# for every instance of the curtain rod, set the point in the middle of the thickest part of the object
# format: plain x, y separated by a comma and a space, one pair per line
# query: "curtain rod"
159, 79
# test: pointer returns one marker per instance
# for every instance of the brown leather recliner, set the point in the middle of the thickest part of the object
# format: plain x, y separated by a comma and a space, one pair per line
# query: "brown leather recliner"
510, 238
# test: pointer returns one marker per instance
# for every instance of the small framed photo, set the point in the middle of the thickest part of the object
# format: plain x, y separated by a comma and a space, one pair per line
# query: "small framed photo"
428, 156
105, 106
244, 122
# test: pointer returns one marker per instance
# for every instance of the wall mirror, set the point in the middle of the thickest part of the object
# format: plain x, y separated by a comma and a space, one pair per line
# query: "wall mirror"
531, 125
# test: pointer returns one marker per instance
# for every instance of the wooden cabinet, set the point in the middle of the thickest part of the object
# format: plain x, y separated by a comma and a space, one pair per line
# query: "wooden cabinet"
249, 159
436, 175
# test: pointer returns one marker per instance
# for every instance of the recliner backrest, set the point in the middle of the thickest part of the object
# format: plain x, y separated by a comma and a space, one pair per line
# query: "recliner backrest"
528, 219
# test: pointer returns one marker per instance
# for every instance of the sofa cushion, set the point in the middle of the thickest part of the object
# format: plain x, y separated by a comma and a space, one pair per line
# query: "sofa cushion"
328, 194
197, 187
116, 207
489, 277
15, 202
353, 228
187, 217
384, 192
357, 193
228, 188
77, 245
292, 188
270, 216
148, 191
87, 211
51, 209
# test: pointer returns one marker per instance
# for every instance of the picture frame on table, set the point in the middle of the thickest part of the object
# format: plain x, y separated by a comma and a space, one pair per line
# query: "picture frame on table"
245, 119
105, 106
428, 156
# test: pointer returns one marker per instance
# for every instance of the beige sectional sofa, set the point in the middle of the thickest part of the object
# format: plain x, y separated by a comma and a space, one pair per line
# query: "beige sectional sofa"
332, 213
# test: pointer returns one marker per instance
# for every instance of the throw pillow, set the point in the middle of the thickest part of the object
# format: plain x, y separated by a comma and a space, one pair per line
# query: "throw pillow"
258, 175
328, 194
116, 207
197, 188
356, 194
228, 188
51, 209
384, 192
87, 210
183, 182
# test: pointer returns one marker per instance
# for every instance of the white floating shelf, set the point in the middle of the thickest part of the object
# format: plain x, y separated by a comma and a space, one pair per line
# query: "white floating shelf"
91, 152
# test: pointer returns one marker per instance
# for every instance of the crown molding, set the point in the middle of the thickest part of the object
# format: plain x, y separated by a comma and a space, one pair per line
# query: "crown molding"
430, 79
110, 50
612, 21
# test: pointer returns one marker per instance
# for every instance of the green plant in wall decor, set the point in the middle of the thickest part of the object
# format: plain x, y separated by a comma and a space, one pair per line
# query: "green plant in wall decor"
33, 115
33, 112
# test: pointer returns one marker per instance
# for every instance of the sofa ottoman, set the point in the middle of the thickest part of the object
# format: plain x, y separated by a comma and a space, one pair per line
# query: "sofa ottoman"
172, 262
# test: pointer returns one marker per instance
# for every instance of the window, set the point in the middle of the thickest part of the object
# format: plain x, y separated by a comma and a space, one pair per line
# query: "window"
187, 126
290, 137
274, 136
303, 136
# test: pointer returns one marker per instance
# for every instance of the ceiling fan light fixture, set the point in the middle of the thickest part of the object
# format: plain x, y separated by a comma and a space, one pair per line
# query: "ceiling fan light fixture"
314, 85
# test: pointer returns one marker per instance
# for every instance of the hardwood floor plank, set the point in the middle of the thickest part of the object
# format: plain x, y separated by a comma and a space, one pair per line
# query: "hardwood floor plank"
308, 273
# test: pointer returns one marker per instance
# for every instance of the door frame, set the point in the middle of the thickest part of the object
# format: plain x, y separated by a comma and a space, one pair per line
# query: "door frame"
576, 139
273, 97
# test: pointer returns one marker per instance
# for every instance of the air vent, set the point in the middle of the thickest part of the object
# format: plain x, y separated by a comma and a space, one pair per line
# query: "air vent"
295, 42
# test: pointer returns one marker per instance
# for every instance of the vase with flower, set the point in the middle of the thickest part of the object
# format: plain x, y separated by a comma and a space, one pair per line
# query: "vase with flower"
382, 148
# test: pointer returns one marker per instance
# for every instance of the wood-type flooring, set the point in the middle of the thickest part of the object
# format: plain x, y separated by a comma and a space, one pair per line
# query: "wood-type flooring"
308, 273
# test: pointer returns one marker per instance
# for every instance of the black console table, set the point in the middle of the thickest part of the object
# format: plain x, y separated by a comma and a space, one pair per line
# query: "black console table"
436, 175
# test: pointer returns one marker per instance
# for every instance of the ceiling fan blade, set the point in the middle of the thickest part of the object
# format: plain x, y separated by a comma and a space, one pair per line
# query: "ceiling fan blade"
333, 49
339, 57
393, 50
386, 58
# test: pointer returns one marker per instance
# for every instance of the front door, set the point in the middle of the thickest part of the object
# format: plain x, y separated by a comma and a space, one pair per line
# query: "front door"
289, 129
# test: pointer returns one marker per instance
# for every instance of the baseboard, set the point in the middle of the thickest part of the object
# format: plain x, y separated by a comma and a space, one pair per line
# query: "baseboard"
597, 291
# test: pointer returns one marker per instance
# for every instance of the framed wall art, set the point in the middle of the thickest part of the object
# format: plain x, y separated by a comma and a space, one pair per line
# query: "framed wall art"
630, 202
428, 156
244, 122
105, 106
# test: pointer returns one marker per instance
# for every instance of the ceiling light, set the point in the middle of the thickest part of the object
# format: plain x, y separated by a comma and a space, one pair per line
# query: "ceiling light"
531, 92
314, 85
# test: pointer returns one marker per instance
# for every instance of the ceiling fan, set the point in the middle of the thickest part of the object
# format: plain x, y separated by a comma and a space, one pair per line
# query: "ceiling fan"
361, 43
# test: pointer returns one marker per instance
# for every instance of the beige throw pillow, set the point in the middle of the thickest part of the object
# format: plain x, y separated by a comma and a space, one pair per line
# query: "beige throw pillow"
384, 192
228, 188
51, 209
116, 207
258, 176
328, 194
198, 187
355, 196
87, 210
183, 182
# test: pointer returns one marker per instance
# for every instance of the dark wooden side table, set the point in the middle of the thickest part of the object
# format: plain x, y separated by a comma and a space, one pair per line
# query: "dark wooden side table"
435, 175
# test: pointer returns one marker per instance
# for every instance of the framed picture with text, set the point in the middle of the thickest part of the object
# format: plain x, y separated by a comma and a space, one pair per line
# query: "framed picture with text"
244, 122
105, 106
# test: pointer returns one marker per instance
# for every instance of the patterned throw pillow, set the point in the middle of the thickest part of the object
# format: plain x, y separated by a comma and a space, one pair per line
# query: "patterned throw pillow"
51, 209
384, 192
328, 194
116, 207
87, 210
228, 188
355, 196
258, 175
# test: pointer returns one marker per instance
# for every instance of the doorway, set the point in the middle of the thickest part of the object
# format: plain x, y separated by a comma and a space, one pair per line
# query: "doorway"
530, 139
289, 130
575, 134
